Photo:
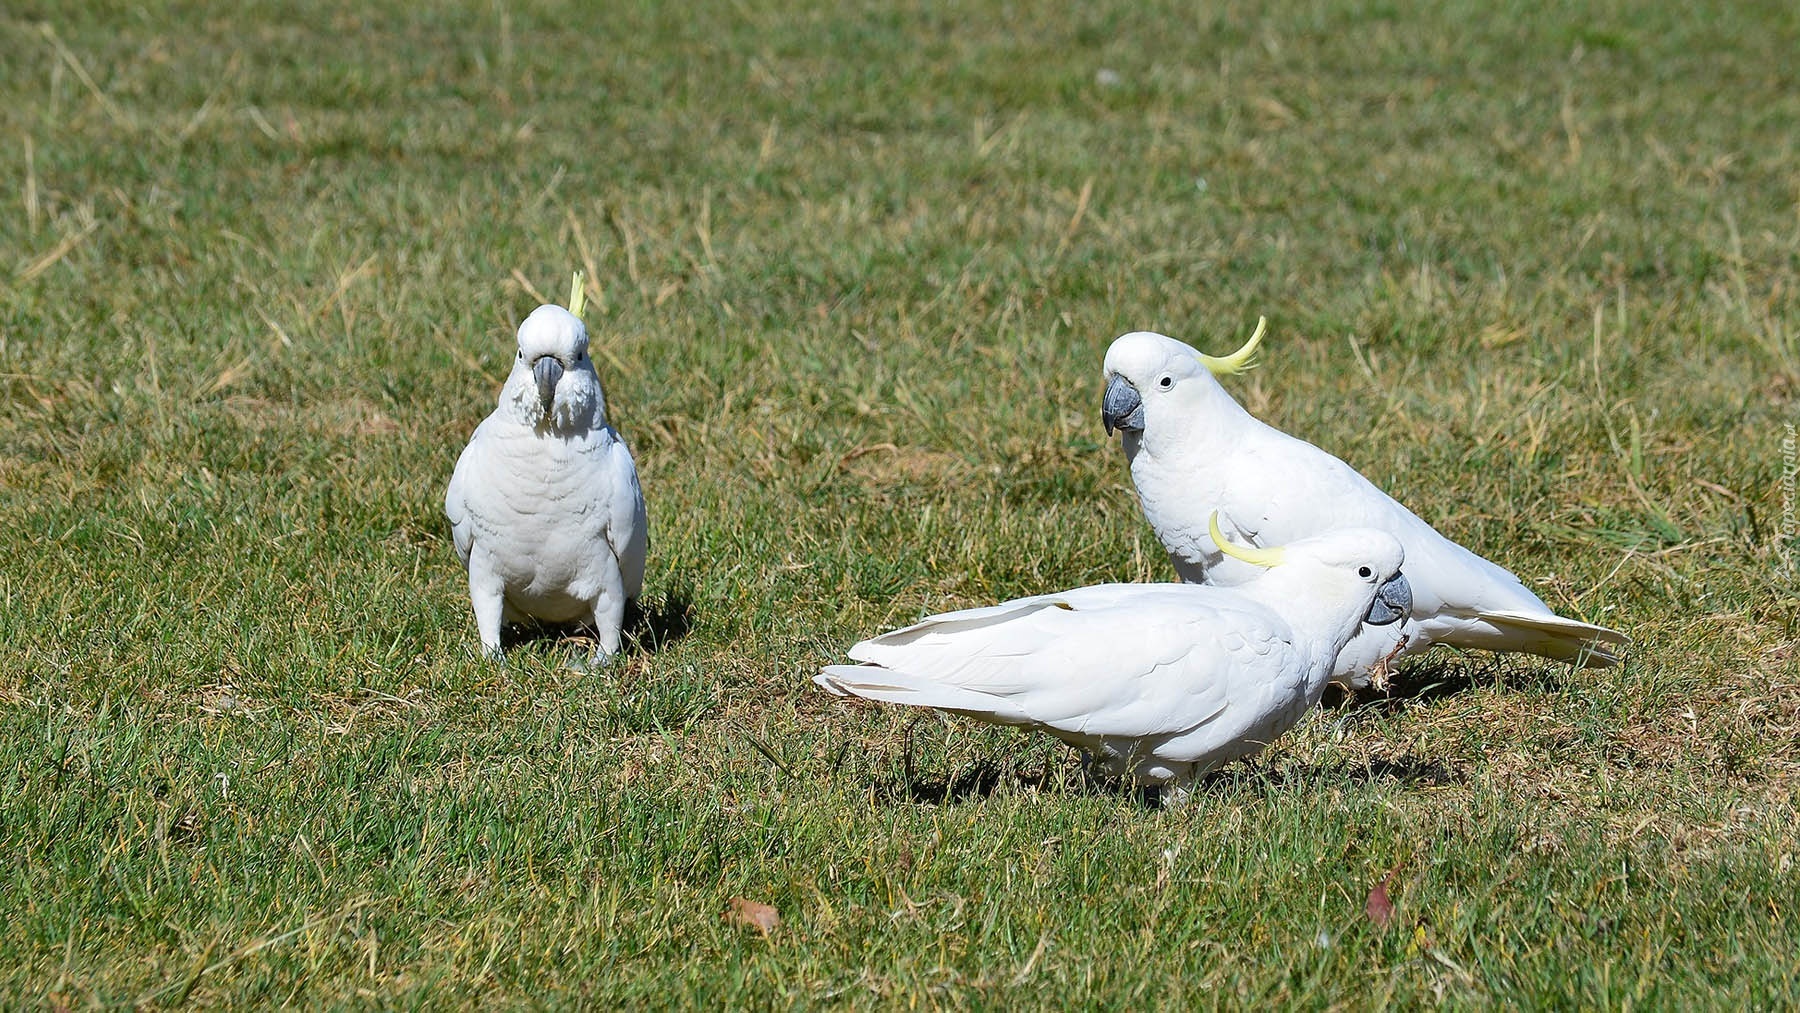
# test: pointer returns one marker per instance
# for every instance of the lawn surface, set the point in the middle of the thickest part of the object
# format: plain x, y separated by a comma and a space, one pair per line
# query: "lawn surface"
1535, 270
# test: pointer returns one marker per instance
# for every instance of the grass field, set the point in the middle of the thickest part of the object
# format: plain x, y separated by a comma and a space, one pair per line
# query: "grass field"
1535, 270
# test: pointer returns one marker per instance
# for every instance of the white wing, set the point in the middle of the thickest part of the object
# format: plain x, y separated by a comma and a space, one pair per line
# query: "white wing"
1113, 661
456, 498
628, 530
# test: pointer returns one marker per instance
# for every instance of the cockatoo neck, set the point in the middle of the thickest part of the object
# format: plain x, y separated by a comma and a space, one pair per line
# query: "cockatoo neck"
1323, 605
1199, 419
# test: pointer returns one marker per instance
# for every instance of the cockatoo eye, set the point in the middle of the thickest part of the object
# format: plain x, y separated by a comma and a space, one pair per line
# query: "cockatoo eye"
1166, 382
1364, 572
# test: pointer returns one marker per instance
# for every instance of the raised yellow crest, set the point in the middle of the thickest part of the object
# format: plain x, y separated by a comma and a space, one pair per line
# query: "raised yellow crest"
577, 294
1240, 360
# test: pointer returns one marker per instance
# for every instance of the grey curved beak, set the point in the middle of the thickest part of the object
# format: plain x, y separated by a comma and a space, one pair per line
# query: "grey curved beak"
1393, 602
547, 370
1122, 408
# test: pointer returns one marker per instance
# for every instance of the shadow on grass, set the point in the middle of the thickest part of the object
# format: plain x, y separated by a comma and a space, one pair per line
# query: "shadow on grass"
667, 620
983, 779
1445, 673
649, 627
1406, 770
979, 779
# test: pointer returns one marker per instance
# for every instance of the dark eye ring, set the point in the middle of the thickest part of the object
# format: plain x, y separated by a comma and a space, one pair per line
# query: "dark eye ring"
1166, 382
1364, 572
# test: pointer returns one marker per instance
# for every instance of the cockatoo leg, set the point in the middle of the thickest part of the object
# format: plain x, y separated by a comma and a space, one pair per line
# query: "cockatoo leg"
609, 622
488, 595
1378, 675
1174, 782
1177, 792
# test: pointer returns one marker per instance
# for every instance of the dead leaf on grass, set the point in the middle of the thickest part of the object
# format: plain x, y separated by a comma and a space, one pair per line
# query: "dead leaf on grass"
1378, 907
762, 917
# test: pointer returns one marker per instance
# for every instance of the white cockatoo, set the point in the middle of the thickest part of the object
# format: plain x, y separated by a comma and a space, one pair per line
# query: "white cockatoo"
1160, 681
1193, 451
544, 504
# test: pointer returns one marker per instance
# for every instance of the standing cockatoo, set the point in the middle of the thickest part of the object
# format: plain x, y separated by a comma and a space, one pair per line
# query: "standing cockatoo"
1193, 451
1160, 681
544, 504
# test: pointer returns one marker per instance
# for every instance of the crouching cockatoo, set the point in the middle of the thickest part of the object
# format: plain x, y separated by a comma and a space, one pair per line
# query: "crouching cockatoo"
544, 504
1194, 451
1163, 682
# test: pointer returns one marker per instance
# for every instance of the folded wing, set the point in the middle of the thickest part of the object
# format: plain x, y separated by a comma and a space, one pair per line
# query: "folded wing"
1131, 661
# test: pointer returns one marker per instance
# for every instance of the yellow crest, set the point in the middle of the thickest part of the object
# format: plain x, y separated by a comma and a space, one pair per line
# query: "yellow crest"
1240, 360
577, 294
1247, 553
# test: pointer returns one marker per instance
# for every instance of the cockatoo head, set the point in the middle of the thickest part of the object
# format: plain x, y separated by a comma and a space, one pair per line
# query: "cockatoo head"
1356, 568
553, 382
1151, 377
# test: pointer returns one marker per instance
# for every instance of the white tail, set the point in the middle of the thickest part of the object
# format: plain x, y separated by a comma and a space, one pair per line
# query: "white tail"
872, 682
1546, 635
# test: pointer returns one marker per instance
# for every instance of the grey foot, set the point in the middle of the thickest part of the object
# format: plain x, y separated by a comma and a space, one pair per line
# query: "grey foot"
596, 661
1176, 795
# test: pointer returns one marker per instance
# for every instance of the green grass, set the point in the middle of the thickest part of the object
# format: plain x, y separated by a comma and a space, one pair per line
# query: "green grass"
1535, 270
